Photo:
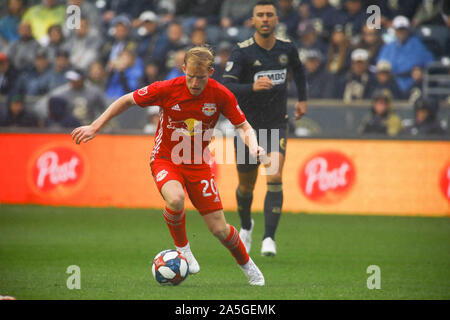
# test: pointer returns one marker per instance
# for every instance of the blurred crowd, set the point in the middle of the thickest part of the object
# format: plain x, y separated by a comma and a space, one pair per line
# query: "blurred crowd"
73, 68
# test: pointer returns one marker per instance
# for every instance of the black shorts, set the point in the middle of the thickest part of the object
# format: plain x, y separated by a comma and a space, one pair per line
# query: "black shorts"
272, 140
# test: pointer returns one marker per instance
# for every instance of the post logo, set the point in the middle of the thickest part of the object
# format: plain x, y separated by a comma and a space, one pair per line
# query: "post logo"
58, 168
327, 177
445, 182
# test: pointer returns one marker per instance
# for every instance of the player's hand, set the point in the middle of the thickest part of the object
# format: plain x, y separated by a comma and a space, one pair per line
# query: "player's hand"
257, 152
263, 83
300, 109
261, 155
83, 134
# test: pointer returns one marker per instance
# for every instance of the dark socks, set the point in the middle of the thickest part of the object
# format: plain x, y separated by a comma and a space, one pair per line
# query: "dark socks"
272, 208
244, 202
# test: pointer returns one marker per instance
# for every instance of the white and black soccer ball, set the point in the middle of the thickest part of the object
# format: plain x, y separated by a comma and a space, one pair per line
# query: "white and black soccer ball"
170, 267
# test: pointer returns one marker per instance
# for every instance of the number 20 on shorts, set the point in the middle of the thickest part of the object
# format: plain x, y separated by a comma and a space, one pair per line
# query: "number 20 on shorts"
207, 184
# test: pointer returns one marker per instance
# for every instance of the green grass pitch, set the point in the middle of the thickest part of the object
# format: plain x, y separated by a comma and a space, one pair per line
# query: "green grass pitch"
319, 256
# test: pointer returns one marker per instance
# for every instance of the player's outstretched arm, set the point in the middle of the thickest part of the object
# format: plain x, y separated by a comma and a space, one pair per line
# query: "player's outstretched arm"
86, 133
248, 135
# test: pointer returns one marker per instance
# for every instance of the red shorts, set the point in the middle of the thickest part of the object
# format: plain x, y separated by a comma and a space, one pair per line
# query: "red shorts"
198, 180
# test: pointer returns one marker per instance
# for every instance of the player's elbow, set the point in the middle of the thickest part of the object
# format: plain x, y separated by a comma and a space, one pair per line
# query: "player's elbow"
128, 99
244, 129
243, 126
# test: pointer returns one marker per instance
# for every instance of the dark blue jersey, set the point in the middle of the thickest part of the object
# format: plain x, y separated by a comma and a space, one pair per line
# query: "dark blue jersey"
248, 61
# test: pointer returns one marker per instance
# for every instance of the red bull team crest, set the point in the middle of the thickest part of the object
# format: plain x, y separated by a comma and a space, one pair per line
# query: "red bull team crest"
209, 109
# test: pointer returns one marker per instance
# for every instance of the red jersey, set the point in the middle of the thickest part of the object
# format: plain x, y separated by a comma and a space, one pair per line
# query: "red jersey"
186, 121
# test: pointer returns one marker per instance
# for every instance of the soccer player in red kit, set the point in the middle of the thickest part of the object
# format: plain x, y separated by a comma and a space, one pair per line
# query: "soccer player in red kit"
190, 107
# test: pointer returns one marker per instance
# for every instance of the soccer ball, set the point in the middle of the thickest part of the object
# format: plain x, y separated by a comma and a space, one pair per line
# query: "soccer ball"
170, 267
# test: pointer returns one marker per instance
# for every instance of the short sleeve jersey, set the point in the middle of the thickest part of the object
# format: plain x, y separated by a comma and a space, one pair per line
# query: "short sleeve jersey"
248, 62
186, 121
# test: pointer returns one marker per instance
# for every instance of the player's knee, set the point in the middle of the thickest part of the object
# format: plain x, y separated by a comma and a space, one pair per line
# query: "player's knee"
246, 188
274, 178
175, 201
220, 231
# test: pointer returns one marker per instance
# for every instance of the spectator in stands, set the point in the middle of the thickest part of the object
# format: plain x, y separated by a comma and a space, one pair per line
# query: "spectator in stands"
439, 15
151, 74
432, 23
8, 75
124, 74
174, 39
86, 102
415, 91
309, 40
372, 42
44, 15
222, 55
381, 119
59, 114
60, 66
236, 13
17, 114
97, 75
83, 46
303, 10
288, 15
131, 8
23, 51
338, 51
404, 53
358, 82
177, 70
355, 17
198, 37
198, 13
147, 33
385, 80
391, 9
165, 10
426, 117
36, 81
55, 41
324, 16
316, 74
121, 40
426, 12
9, 24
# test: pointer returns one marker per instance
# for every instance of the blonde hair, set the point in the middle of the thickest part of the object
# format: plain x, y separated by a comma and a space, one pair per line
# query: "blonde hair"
200, 56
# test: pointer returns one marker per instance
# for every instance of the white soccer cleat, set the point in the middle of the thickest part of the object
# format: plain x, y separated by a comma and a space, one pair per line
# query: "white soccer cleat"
268, 247
254, 275
246, 237
194, 267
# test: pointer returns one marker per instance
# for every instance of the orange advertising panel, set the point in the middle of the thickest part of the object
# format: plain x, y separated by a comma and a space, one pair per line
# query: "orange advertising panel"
323, 176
